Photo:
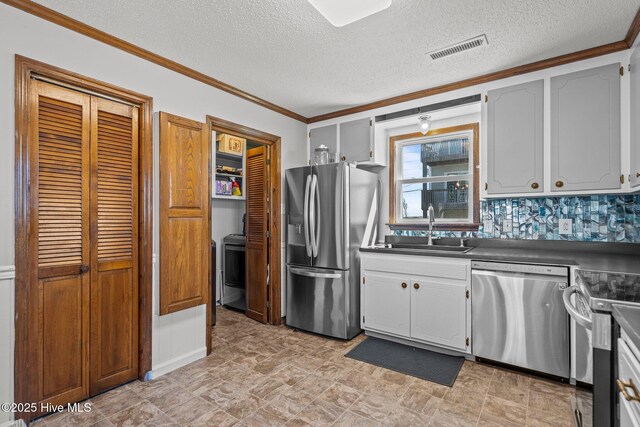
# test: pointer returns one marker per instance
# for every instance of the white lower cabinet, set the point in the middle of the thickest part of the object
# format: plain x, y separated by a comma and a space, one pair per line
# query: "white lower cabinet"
386, 304
423, 299
439, 312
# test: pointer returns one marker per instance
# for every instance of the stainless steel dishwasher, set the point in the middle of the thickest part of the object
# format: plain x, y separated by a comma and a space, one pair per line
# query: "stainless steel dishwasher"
519, 316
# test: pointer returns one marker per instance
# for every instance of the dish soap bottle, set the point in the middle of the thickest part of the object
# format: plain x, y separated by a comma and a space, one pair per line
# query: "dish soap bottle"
235, 188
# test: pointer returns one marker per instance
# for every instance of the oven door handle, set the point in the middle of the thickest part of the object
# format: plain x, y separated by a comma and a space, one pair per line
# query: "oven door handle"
580, 319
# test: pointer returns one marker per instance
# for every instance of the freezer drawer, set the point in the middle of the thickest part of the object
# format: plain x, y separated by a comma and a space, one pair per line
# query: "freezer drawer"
519, 319
322, 301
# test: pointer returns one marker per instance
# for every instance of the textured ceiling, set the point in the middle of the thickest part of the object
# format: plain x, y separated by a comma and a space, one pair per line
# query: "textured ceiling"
284, 51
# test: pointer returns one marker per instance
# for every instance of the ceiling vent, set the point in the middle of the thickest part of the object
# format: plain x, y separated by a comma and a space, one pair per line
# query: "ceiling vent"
459, 47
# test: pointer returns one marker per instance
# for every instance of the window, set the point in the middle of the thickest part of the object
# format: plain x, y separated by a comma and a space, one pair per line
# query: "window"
438, 169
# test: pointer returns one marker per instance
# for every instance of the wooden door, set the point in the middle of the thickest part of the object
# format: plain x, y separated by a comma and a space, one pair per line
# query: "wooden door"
585, 130
185, 207
515, 140
59, 128
114, 244
439, 312
386, 302
257, 230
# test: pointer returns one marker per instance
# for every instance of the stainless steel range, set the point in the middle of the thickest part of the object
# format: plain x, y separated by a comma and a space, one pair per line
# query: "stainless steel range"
589, 302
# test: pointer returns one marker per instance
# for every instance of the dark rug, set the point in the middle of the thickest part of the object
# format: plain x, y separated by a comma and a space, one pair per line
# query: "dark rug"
428, 365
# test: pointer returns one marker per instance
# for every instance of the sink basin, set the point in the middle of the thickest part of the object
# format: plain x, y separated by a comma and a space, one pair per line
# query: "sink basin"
444, 248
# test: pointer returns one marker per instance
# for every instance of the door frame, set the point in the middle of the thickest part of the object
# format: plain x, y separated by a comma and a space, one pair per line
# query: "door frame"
25, 69
274, 316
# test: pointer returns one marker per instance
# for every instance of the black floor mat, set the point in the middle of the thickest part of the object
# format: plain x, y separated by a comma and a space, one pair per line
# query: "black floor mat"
431, 366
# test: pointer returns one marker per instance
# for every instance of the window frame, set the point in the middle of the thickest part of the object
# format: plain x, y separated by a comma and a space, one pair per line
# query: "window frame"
395, 189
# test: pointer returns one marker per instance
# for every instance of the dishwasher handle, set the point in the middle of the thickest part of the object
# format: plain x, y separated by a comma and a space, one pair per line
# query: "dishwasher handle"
580, 318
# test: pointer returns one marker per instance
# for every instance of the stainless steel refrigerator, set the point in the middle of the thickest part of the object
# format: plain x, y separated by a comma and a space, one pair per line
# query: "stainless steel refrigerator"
331, 212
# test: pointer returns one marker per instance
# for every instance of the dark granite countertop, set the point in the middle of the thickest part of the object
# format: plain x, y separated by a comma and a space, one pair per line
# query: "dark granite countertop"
629, 320
599, 256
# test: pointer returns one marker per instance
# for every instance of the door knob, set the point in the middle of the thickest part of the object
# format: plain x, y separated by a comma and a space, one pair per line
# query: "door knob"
416, 286
84, 269
535, 185
404, 285
559, 184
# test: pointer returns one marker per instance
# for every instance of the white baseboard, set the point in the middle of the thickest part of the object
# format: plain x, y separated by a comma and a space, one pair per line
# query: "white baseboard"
177, 362
16, 423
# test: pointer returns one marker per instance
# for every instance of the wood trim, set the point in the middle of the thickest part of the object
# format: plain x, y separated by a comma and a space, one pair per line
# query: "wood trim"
485, 78
475, 127
92, 32
25, 68
275, 146
634, 30
101, 36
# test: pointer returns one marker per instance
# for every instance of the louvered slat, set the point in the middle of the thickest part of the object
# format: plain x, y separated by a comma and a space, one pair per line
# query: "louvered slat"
115, 187
60, 183
256, 187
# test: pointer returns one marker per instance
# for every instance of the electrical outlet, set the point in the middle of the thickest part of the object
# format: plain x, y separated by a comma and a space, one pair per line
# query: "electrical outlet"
488, 226
507, 225
565, 225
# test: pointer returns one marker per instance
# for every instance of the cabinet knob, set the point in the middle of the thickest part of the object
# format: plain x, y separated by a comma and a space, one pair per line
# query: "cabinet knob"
404, 285
84, 269
559, 184
637, 174
416, 286
535, 185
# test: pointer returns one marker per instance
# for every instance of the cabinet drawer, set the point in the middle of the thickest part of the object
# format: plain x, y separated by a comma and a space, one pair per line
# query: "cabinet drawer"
444, 268
629, 371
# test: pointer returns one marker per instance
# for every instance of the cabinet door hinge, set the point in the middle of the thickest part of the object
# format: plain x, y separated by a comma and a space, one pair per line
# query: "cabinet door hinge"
370, 122
363, 280
268, 162
486, 186
362, 319
622, 71
468, 341
466, 294
486, 98
370, 154
268, 234
268, 304
621, 179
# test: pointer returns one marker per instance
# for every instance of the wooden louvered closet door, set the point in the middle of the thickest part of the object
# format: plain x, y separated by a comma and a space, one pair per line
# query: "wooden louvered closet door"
257, 249
83, 238
59, 243
114, 244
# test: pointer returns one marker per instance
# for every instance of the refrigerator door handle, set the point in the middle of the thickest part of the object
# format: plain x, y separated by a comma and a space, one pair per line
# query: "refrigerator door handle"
318, 211
305, 216
312, 216
308, 273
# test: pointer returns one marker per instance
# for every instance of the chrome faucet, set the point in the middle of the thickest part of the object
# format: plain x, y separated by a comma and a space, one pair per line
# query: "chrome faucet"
430, 214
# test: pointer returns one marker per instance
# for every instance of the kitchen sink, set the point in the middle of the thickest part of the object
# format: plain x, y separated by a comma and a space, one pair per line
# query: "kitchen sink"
435, 248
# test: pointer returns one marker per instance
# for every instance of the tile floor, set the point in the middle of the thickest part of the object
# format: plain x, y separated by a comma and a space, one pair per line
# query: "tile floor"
261, 375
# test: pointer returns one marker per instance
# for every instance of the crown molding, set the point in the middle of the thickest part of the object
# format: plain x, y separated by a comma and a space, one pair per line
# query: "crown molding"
92, 32
96, 34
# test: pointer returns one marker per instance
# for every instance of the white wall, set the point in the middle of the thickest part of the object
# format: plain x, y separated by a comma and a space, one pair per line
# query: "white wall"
7, 299
178, 337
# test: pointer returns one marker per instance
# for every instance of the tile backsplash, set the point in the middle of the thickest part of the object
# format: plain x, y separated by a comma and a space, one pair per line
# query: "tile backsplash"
602, 218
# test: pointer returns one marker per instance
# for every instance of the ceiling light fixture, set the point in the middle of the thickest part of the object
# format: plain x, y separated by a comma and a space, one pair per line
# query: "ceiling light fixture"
424, 122
342, 12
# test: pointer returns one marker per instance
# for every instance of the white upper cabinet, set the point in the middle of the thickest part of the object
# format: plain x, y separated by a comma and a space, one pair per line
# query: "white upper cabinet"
515, 139
356, 140
326, 135
585, 130
634, 176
